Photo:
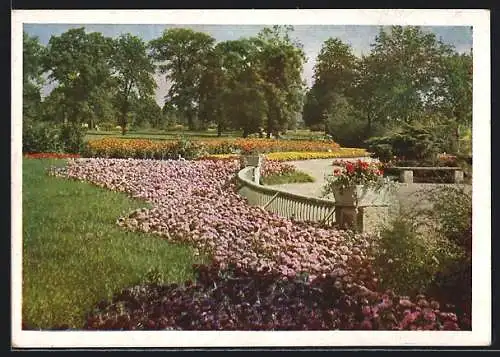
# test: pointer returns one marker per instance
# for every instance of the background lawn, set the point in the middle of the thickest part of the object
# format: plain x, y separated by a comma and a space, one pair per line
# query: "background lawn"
74, 255
289, 177
155, 134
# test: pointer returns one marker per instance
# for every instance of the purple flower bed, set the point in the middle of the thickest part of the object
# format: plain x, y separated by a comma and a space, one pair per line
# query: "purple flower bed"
196, 202
237, 299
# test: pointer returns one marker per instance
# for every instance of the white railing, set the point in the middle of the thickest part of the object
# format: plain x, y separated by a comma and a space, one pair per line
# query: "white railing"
283, 203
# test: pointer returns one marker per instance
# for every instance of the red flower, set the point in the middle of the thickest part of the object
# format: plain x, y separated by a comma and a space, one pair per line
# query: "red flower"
336, 172
349, 167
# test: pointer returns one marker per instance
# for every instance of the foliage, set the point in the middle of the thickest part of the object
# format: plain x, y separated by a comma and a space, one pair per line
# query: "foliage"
40, 137
146, 113
342, 124
433, 246
74, 254
408, 259
132, 72
187, 149
182, 53
408, 77
71, 137
348, 174
245, 299
452, 211
403, 66
80, 64
334, 76
33, 53
411, 142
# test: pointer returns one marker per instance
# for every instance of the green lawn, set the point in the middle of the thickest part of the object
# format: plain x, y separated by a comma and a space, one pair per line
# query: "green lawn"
158, 134
170, 135
292, 177
74, 255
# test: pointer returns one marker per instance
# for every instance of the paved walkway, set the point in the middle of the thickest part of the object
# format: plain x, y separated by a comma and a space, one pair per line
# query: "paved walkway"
408, 195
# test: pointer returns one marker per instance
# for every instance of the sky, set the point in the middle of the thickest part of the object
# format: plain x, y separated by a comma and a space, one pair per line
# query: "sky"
360, 37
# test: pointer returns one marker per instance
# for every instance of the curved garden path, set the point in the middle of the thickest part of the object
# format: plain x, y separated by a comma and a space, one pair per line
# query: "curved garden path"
407, 194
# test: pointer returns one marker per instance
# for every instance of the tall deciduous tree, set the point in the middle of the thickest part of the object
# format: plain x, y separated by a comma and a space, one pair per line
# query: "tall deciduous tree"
133, 71
455, 94
241, 100
335, 74
181, 53
281, 62
403, 72
80, 63
33, 53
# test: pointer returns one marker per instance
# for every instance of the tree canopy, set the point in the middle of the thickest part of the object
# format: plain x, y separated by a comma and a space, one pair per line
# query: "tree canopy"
252, 84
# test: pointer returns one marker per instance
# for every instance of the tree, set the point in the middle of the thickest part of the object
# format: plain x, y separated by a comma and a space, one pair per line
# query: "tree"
133, 71
280, 62
455, 94
239, 99
212, 90
402, 74
182, 53
33, 53
146, 111
80, 64
334, 77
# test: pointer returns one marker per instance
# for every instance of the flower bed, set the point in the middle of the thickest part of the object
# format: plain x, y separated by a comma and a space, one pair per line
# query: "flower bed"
237, 299
274, 167
297, 155
196, 202
154, 149
50, 155
301, 155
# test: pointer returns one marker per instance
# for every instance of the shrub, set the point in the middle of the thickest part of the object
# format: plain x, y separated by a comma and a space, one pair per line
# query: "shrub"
40, 137
72, 137
187, 149
430, 249
452, 213
408, 260
107, 126
410, 142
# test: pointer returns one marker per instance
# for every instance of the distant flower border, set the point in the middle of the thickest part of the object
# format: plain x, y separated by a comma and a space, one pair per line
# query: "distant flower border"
51, 155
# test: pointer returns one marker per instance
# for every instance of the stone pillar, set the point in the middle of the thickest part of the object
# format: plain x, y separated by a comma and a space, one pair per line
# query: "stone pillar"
459, 176
256, 175
406, 176
347, 217
255, 161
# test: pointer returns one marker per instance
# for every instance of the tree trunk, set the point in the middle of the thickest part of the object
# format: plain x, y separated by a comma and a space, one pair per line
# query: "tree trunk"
123, 121
219, 129
190, 120
369, 127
